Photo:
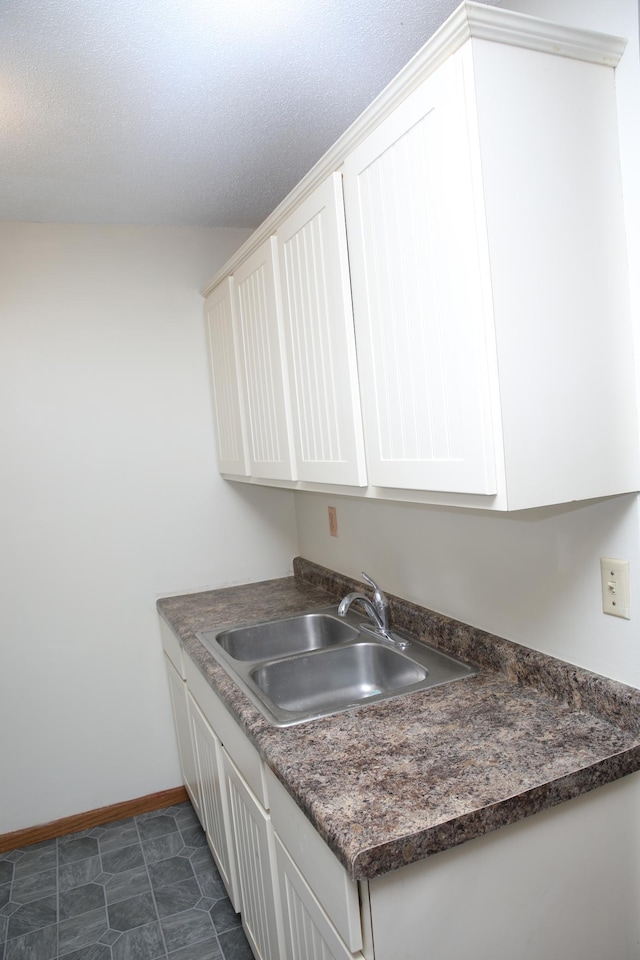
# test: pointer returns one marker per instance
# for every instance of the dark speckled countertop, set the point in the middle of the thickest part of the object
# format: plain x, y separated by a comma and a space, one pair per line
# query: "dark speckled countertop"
390, 783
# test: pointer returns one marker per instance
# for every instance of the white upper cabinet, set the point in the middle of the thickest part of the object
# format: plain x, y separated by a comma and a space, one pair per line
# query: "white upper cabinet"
489, 284
418, 295
228, 403
264, 365
487, 245
316, 300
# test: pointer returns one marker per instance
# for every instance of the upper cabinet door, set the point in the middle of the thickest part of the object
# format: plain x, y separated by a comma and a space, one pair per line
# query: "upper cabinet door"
420, 294
225, 360
264, 365
316, 300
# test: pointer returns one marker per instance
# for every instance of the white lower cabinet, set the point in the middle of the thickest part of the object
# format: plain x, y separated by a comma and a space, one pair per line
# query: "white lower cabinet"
529, 890
294, 896
560, 885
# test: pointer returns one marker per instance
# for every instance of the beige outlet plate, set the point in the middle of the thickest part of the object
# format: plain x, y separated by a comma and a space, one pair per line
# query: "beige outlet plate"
333, 521
614, 576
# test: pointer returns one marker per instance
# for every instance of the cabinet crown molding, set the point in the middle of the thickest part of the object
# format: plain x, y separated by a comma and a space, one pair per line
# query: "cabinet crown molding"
521, 30
470, 20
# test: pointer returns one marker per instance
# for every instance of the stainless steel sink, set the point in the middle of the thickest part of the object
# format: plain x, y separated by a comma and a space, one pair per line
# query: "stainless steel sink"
337, 678
279, 638
314, 664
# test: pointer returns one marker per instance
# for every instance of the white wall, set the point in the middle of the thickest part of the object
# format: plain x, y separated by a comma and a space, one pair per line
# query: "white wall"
534, 577
110, 498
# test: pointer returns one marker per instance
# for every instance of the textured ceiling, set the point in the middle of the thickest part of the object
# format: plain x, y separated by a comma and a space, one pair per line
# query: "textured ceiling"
188, 112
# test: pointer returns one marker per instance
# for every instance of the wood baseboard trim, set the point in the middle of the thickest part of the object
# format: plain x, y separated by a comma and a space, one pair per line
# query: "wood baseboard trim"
92, 818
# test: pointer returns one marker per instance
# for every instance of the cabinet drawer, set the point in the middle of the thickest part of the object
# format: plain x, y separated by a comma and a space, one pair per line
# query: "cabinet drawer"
321, 869
171, 646
240, 749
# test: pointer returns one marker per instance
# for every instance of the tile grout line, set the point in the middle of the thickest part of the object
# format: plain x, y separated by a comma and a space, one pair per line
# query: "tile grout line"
151, 887
215, 929
195, 876
104, 894
77, 916
202, 895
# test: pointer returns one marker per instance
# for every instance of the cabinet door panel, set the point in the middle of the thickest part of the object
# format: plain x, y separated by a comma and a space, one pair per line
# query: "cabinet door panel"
308, 932
217, 821
253, 843
420, 295
227, 391
316, 300
264, 365
177, 689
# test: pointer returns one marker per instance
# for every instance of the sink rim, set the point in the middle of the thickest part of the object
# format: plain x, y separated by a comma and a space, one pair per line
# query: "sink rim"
438, 664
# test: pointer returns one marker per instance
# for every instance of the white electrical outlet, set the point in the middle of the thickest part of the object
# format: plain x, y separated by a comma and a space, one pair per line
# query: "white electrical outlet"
614, 575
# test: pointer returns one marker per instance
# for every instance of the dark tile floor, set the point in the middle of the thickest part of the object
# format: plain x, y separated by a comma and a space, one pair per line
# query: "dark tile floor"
140, 889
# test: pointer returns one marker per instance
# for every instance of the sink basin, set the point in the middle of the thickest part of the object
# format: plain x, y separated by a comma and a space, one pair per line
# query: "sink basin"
315, 663
336, 678
279, 638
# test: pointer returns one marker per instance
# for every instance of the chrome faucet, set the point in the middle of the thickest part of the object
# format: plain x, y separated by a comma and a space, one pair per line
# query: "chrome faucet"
377, 610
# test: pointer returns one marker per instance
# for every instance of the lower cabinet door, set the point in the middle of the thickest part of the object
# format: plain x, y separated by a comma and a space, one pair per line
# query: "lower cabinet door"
307, 930
215, 808
260, 903
178, 691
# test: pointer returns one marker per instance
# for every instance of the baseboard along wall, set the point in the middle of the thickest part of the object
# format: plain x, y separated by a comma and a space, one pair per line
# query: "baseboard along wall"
92, 818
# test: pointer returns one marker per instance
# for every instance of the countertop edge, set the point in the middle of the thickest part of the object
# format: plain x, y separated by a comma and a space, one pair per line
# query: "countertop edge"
373, 862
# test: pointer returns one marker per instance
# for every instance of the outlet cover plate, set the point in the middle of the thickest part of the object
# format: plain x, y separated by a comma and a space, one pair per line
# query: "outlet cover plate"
614, 576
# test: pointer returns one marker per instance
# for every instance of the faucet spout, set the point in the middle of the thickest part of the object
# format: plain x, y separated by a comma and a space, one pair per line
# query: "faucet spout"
363, 601
377, 610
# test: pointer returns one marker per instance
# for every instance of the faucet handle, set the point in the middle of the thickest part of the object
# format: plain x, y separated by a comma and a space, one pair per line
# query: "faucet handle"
379, 599
371, 582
